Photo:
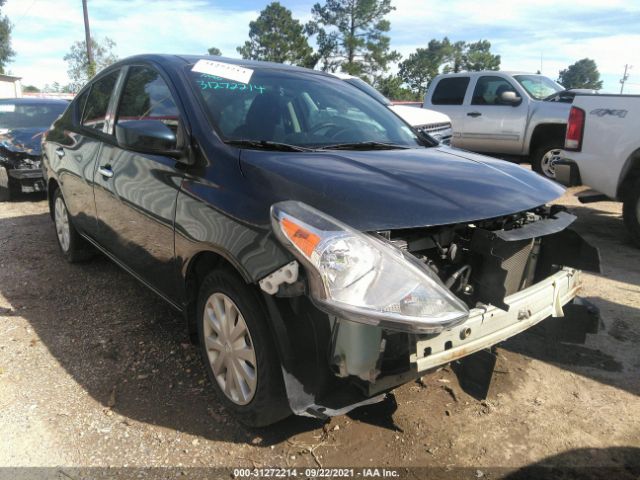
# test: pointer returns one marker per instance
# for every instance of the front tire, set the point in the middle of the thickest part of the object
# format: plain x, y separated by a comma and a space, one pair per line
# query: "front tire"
631, 210
72, 245
544, 158
238, 350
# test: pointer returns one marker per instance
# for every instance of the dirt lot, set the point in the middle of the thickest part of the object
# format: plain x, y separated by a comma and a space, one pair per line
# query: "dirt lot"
95, 371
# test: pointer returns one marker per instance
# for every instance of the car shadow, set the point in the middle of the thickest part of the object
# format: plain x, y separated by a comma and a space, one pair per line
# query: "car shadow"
620, 463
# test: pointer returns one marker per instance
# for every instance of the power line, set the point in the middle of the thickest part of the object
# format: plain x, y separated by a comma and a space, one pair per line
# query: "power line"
625, 77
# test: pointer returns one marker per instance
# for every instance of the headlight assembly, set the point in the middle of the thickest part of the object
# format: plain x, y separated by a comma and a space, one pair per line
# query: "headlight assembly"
363, 278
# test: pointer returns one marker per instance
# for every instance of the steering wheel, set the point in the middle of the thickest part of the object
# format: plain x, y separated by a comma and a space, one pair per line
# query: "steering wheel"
321, 126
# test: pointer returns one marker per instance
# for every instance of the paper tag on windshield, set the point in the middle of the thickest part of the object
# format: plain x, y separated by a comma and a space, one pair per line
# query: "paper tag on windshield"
224, 70
7, 107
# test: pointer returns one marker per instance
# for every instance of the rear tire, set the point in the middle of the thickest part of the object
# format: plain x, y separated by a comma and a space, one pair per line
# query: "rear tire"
543, 158
244, 367
73, 247
631, 210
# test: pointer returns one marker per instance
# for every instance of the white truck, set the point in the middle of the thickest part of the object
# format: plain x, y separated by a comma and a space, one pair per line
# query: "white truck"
507, 114
432, 122
602, 151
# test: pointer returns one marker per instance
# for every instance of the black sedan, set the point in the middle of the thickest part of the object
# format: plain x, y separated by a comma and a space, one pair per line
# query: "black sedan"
22, 123
321, 252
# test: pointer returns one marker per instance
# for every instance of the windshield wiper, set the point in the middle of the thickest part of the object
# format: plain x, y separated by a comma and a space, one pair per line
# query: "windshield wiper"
268, 145
363, 146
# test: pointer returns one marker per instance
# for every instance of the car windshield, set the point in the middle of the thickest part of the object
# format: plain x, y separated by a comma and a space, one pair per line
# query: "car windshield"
299, 109
538, 86
368, 89
31, 115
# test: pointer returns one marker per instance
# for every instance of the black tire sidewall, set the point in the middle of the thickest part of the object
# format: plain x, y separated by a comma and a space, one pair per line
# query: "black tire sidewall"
78, 249
269, 403
630, 211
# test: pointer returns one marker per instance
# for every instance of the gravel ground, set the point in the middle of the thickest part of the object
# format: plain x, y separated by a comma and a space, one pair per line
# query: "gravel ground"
96, 371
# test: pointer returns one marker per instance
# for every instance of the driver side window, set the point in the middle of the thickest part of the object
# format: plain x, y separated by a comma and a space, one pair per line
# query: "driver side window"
489, 89
146, 96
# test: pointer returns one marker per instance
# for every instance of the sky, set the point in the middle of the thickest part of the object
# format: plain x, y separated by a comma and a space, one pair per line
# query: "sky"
529, 35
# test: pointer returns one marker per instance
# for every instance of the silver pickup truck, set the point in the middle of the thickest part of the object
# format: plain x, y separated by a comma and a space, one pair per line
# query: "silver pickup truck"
504, 113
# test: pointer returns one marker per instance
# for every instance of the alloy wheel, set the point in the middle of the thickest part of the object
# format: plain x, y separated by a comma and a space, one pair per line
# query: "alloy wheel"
230, 349
62, 224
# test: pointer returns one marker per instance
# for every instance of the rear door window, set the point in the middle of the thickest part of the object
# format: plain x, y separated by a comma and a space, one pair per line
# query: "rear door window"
450, 91
95, 111
146, 96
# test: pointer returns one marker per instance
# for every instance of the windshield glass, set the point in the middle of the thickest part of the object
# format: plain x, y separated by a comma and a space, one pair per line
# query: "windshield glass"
299, 109
538, 86
32, 115
369, 90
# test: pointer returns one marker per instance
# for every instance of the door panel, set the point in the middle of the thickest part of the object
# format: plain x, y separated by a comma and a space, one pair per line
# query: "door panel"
136, 210
136, 193
490, 125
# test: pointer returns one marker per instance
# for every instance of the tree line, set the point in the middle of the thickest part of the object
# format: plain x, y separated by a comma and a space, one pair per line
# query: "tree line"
350, 36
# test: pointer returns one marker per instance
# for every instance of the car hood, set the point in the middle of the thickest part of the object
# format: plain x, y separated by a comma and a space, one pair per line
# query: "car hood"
394, 189
416, 116
22, 140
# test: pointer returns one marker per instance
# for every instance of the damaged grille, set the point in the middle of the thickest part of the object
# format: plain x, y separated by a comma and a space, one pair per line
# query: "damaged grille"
486, 261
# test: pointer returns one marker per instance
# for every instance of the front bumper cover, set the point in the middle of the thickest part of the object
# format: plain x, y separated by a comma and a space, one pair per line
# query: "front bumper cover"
490, 325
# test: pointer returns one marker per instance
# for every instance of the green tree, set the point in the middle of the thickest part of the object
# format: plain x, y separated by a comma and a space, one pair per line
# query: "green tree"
275, 36
6, 52
79, 70
582, 74
477, 56
424, 64
393, 88
215, 51
445, 56
351, 34
30, 89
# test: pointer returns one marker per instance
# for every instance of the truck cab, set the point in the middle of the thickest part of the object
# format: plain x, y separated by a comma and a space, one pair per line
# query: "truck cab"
505, 113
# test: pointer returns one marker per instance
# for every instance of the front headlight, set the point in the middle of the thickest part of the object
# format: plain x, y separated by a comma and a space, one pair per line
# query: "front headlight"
363, 278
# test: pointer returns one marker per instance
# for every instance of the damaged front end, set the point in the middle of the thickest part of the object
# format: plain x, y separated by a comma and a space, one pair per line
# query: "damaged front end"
385, 307
22, 163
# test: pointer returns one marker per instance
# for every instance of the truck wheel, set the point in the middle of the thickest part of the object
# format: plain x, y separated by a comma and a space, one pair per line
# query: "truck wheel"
238, 350
5, 186
72, 245
544, 158
631, 211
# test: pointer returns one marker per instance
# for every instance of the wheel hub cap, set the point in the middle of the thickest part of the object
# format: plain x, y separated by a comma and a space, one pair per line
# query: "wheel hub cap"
230, 349
548, 162
62, 224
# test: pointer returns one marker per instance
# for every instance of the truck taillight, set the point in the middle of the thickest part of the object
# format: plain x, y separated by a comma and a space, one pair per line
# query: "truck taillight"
575, 130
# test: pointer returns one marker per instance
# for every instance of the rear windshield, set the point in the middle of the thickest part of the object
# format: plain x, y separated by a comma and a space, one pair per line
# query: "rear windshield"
297, 108
33, 115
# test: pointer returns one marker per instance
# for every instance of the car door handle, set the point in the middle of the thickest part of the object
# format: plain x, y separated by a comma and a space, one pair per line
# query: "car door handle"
60, 152
473, 114
106, 171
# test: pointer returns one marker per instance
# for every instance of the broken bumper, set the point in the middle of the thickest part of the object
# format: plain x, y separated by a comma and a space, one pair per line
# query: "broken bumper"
30, 180
488, 326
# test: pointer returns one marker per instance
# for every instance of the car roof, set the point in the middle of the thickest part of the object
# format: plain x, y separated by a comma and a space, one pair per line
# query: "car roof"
34, 101
188, 59
488, 72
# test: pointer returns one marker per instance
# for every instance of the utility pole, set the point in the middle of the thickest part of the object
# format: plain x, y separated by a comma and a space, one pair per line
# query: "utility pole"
625, 77
91, 68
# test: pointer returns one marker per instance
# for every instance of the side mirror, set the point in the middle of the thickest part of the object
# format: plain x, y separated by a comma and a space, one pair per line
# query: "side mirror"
510, 98
147, 136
